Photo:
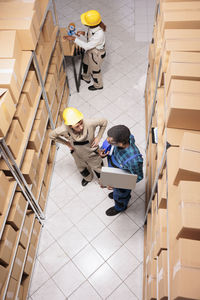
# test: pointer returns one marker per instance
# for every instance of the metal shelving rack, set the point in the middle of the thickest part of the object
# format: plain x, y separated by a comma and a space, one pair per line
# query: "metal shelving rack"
8, 158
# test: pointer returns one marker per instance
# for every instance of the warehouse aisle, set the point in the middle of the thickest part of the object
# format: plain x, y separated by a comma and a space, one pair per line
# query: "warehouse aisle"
83, 253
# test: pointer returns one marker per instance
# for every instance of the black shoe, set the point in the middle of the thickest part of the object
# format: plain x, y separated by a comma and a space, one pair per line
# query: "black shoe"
93, 88
110, 195
84, 79
112, 211
84, 182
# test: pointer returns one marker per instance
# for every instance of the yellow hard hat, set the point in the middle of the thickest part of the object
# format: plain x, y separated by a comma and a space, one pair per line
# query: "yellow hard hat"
72, 116
91, 18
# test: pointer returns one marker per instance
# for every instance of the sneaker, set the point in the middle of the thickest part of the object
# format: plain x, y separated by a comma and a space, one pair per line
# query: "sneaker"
110, 195
84, 79
112, 211
93, 88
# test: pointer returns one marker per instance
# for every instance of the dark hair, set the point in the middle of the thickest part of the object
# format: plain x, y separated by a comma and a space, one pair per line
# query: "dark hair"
119, 133
101, 24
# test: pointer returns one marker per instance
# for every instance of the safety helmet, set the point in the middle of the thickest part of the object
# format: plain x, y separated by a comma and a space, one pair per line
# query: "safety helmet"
91, 18
72, 116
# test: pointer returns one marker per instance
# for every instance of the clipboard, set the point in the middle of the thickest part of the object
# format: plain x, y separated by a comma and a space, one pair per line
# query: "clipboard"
117, 178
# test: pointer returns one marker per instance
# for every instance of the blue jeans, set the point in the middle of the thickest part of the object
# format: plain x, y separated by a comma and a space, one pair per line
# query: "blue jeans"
121, 198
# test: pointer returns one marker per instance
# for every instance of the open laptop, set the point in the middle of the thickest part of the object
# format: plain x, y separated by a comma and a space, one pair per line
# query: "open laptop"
117, 178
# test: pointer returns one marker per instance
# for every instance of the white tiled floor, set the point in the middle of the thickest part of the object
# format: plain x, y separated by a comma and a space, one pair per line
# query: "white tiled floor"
84, 254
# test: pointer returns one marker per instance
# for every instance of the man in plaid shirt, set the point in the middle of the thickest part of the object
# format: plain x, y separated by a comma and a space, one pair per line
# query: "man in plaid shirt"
125, 156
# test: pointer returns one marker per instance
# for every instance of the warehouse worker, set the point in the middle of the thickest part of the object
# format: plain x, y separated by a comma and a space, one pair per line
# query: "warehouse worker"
94, 47
79, 135
125, 156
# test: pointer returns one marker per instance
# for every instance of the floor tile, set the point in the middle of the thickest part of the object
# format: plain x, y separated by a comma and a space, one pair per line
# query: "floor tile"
88, 260
92, 195
85, 291
49, 291
68, 278
62, 195
106, 243
123, 227
135, 281
105, 281
137, 211
76, 209
72, 242
90, 226
100, 211
122, 292
46, 240
53, 258
40, 276
136, 244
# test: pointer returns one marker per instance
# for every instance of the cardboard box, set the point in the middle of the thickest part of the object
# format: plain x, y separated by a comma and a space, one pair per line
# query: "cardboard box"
17, 211
184, 87
23, 111
68, 46
50, 88
173, 6
53, 70
183, 71
18, 263
6, 244
189, 161
7, 110
183, 111
10, 77
161, 231
35, 233
29, 259
10, 45
31, 87
42, 111
14, 138
27, 28
4, 188
186, 254
37, 134
40, 57
185, 284
152, 288
48, 27
162, 191
20, 293
163, 275
3, 276
25, 232
12, 289
29, 165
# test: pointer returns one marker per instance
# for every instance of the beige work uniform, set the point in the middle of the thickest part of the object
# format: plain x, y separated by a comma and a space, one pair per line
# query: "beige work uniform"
86, 158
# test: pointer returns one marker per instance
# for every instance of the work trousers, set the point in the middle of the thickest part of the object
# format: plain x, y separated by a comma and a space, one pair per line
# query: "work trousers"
92, 62
121, 198
87, 165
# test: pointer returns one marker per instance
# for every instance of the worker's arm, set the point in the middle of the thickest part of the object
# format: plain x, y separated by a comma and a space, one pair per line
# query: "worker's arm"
57, 136
96, 40
101, 123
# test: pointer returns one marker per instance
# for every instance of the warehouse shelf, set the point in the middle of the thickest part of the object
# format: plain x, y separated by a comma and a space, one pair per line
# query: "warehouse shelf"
45, 5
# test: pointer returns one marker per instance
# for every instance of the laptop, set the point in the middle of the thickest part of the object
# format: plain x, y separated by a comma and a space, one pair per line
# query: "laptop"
117, 178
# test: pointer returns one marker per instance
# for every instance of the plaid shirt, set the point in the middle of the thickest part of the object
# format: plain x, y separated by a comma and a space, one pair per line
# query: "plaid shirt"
134, 165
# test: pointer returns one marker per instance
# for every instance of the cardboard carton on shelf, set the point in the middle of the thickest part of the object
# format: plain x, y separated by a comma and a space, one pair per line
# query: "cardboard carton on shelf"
17, 211
29, 259
10, 44
162, 275
10, 77
183, 111
14, 138
184, 87
23, 111
161, 231
25, 232
35, 233
6, 244
7, 110
175, 6
12, 289
189, 161
3, 276
27, 28
29, 165
50, 88
48, 27
37, 134
20, 293
31, 87
18, 263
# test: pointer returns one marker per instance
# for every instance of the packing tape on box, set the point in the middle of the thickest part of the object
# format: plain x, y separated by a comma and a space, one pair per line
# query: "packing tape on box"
19, 210
10, 71
30, 259
176, 268
2, 193
147, 259
8, 244
160, 275
25, 230
150, 280
18, 261
9, 295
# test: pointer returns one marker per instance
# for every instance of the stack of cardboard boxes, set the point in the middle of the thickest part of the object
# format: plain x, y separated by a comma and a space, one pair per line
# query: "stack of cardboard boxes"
172, 233
24, 126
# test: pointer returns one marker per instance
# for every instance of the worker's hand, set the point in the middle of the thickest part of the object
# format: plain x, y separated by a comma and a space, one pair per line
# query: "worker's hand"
102, 153
95, 143
80, 33
69, 38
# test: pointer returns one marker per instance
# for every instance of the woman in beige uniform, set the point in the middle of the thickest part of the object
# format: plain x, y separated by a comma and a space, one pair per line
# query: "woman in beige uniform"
79, 135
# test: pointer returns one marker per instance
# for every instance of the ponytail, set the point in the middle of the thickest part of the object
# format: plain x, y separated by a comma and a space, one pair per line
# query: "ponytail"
103, 26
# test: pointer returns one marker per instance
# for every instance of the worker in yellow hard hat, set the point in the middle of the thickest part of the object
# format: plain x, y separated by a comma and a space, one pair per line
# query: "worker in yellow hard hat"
79, 135
94, 47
